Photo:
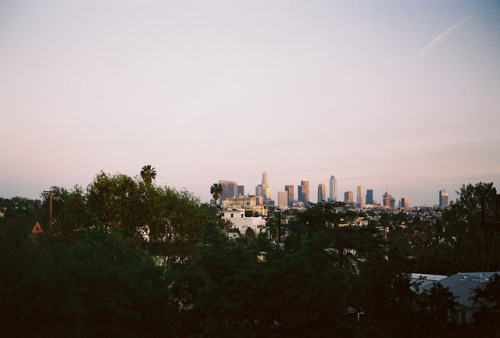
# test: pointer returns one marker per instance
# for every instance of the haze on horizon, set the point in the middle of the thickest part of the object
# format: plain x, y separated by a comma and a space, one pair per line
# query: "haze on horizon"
396, 95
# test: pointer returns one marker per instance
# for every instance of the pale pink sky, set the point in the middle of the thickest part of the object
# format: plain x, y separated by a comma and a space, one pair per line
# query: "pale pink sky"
386, 94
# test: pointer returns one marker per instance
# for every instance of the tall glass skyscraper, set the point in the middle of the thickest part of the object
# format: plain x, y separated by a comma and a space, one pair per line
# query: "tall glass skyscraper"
289, 189
369, 196
303, 192
265, 184
321, 192
361, 196
333, 189
348, 197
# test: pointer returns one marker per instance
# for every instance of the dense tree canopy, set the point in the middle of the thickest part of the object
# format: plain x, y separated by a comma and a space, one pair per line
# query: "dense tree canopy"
98, 273
472, 248
98, 286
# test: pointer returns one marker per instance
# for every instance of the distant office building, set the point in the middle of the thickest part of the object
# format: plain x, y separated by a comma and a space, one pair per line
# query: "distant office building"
225, 190
290, 190
232, 188
265, 183
369, 196
241, 190
267, 193
386, 200
303, 192
333, 189
229, 189
404, 203
321, 192
258, 191
444, 199
392, 203
361, 196
348, 197
283, 199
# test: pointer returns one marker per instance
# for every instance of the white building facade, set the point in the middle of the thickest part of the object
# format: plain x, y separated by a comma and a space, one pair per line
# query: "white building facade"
242, 223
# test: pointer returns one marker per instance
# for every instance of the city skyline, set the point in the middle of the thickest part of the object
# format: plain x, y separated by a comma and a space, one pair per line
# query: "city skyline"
403, 96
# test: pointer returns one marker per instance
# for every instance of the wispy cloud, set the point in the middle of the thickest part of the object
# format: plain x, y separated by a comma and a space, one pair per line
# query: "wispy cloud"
443, 35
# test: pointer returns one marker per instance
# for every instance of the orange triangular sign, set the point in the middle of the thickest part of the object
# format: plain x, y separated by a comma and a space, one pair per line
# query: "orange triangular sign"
37, 228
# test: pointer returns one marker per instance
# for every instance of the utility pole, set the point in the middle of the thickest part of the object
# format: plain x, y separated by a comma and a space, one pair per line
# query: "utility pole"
279, 226
50, 209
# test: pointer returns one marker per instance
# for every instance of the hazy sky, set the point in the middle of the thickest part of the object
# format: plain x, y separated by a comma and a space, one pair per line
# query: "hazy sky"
403, 95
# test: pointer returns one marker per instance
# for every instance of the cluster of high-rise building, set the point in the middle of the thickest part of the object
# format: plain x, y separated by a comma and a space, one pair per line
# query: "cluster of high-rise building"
231, 189
286, 198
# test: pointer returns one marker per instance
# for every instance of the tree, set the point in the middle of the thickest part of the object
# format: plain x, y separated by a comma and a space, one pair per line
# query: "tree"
98, 286
166, 222
486, 319
148, 174
230, 291
472, 249
326, 217
383, 293
216, 191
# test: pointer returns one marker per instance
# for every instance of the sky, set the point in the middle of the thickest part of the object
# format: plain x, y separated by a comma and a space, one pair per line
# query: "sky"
396, 95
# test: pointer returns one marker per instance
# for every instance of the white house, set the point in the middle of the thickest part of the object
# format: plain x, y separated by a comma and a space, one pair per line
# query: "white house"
242, 223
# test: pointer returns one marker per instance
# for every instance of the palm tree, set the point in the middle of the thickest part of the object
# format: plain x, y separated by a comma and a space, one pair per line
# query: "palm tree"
216, 191
148, 174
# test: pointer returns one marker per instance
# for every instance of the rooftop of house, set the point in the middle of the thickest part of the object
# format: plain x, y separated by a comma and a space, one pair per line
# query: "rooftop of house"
462, 285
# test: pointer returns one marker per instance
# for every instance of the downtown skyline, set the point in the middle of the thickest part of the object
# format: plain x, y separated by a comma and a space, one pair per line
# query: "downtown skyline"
403, 96
395, 192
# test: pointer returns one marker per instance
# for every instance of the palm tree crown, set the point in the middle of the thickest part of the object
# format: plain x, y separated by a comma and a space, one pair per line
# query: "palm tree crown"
148, 174
216, 191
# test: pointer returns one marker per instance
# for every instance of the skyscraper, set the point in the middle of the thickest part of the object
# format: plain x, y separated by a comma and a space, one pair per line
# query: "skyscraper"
258, 190
404, 203
361, 196
321, 192
289, 189
304, 192
348, 197
241, 190
225, 190
369, 196
232, 188
267, 193
333, 188
265, 184
444, 199
386, 198
282, 199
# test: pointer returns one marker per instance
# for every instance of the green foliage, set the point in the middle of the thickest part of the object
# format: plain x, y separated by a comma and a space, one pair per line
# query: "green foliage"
326, 216
19, 208
438, 312
284, 295
98, 286
472, 249
486, 321
383, 293
91, 277
172, 221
